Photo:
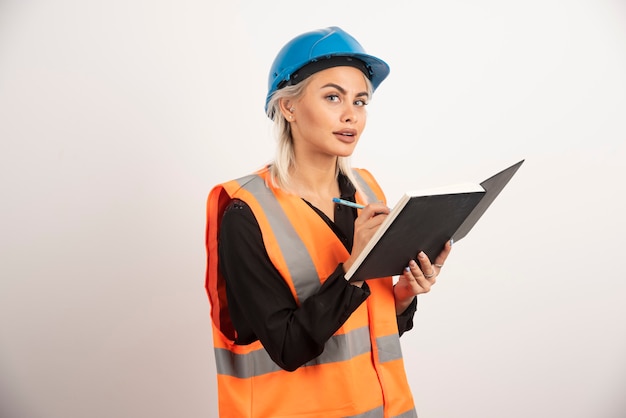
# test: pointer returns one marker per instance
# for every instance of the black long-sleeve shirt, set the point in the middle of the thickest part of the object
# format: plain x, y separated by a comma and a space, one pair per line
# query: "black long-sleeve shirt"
260, 303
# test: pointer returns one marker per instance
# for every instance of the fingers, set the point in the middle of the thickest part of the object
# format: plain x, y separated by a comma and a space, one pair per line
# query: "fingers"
369, 219
420, 276
365, 225
373, 212
425, 276
443, 255
426, 268
424, 273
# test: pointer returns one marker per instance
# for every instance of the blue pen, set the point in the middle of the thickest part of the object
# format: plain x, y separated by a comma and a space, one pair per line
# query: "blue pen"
347, 203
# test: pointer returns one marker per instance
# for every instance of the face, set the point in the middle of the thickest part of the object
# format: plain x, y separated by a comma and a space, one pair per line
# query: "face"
329, 117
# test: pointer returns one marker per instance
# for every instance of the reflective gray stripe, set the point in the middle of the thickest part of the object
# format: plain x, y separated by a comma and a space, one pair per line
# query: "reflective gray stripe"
298, 260
408, 414
379, 413
389, 348
345, 346
244, 366
338, 348
365, 188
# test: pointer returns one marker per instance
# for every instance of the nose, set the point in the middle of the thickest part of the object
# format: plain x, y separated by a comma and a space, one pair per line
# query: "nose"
349, 115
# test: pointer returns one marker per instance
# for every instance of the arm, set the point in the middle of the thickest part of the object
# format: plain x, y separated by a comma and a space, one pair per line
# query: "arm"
261, 304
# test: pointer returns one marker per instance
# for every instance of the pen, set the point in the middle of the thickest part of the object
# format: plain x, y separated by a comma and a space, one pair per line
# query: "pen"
347, 203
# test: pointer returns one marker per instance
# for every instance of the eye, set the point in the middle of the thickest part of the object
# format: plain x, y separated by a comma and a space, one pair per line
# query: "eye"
332, 98
360, 102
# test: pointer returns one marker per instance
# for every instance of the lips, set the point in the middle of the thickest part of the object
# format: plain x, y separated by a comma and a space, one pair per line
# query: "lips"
346, 135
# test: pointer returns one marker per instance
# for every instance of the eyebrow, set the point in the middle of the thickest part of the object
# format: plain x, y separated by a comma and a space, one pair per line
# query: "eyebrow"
343, 91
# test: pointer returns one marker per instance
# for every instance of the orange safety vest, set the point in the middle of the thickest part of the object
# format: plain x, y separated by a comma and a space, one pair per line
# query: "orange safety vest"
360, 372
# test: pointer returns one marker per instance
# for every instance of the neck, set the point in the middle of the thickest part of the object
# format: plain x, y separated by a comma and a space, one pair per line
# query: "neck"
312, 179
317, 184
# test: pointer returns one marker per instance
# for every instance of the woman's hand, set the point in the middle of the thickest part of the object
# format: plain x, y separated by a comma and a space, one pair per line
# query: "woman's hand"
365, 225
416, 279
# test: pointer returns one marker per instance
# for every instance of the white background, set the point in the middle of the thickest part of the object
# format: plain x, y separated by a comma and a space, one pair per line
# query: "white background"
117, 117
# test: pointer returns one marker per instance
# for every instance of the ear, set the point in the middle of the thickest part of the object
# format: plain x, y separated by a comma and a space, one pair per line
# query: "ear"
287, 108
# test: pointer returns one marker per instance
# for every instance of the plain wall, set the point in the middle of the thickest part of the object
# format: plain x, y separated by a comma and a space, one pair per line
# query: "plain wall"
117, 118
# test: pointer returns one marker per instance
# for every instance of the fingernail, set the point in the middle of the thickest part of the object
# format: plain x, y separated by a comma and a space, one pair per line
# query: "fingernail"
421, 254
412, 263
451, 241
407, 269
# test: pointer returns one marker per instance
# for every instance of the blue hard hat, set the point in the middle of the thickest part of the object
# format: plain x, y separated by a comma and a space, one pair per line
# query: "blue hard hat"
319, 49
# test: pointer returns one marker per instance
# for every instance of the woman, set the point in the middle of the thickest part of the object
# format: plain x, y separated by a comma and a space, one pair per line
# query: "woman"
292, 337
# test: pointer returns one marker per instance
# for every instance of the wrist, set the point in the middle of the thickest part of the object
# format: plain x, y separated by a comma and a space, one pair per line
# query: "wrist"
402, 302
347, 264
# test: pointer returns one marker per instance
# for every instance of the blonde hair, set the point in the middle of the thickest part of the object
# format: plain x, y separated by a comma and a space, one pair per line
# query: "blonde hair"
285, 156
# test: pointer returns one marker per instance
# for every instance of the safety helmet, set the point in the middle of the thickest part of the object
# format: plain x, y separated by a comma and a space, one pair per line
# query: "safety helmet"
316, 47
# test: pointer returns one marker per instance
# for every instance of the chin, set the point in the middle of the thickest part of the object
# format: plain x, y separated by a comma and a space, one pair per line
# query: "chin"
346, 152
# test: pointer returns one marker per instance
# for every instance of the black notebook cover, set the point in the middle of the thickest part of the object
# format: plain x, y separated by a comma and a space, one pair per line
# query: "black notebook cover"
426, 223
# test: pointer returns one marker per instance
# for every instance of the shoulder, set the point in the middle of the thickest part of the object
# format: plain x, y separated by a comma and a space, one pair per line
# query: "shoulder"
238, 219
257, 181
236, 205
222, 193
237, 208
